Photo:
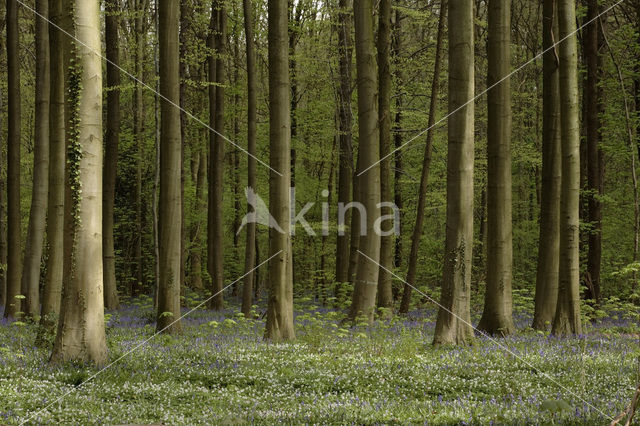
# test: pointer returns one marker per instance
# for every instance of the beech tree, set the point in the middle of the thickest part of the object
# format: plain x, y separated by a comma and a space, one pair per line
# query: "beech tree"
279, 325
112, 136
345, 166
250, 246
40, 184
14, 120
453, 324
367, 269
546, 295
567, 318
385, 295
52, 290
169, 231
81, 331
416, 235
497, 315
217, 75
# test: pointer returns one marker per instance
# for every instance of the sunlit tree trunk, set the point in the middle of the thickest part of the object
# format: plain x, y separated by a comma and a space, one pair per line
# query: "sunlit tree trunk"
385, 295
453, 324
567, 318
549, 244
170, 169
279, 325
40, 186
14, 248
426, 167
366, 279
497, 318
250, 246
81, 332
111, 152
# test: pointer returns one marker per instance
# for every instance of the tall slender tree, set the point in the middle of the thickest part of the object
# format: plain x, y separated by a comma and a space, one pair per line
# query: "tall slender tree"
345, 170
40, 184
3, 193
112, 136
14, 252
279, 325
497, 318
549, 243
52, 290
215, 244
385, 294
567, 318
426, 165
170, 169
593, 108
453, 324
366, 278
250, 245
81, 332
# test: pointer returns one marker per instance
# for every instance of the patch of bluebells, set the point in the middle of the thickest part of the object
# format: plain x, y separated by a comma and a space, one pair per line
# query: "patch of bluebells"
219, 370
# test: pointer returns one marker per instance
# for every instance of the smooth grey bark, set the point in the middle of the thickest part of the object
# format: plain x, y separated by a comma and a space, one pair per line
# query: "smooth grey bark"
81, 330
170, 170
112, 141
14, 247
279, 324
549, 241
367, 269
567, 318
453, 324
40, 184
497, 316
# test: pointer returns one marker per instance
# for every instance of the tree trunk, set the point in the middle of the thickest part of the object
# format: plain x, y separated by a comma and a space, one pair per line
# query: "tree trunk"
549, 243
497, 317
397, 190
12, 304
216, 97
279, 325
81, 332
345, 171
170, 169
196, 229
567, 318
250, 246
453, 325
366, 280
111, 152
138, 102
592, 41
426, 166
40, 188
3, 204
385, 295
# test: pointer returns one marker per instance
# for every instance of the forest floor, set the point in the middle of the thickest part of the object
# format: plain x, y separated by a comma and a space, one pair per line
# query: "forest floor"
220, 371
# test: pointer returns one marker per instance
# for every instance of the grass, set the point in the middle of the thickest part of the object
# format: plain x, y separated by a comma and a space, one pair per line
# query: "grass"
220, 371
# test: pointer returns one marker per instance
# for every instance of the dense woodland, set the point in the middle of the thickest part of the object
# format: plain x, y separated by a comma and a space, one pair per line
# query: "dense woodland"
499, 138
